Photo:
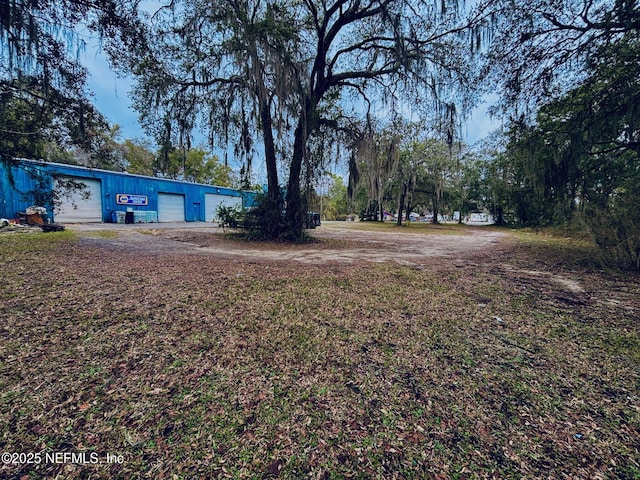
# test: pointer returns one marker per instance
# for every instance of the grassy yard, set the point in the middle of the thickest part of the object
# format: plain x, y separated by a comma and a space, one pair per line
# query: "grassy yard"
407, 227
518, 364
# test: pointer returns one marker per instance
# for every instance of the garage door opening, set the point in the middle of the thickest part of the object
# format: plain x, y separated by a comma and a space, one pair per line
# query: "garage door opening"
213, 201
77, 200
170, 207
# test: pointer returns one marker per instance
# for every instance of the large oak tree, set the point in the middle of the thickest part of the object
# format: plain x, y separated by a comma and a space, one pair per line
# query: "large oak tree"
292, 70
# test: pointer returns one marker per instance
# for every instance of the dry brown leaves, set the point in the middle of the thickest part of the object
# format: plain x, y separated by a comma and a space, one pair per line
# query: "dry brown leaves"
203, 367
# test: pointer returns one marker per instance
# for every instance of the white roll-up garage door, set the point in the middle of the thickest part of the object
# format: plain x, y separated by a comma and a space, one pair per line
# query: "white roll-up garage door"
78, 205
213, 201
170, 207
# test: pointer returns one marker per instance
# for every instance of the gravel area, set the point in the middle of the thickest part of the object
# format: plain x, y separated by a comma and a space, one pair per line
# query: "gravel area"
337, 242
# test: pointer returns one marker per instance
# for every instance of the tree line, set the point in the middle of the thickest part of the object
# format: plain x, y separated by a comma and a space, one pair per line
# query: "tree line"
72, 131
302, 84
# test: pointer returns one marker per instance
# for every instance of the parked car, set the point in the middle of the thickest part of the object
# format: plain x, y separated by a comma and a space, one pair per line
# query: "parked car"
313, 220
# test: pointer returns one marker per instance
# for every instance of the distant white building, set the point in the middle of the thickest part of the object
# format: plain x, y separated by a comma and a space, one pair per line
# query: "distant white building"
479, 219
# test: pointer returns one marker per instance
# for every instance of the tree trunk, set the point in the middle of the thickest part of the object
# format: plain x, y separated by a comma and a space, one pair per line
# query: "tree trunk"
266, 124
401, 204
270, 153
294, 218
499, 215
462, 201
436, 209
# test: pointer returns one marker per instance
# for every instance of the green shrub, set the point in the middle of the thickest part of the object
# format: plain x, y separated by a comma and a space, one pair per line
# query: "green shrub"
265, 221
230, 216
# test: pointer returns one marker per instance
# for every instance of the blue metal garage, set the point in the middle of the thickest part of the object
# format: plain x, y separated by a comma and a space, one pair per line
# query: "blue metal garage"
106, 196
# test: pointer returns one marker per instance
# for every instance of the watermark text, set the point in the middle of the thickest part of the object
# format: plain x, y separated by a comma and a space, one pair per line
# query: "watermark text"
79, 458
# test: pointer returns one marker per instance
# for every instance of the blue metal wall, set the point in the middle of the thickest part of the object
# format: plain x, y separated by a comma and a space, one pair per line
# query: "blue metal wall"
17, 185
16, 194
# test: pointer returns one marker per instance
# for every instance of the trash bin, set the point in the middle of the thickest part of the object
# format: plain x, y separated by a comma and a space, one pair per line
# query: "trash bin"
118, 216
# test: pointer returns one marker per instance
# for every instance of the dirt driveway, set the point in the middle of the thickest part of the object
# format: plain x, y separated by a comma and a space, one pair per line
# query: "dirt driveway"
338, 242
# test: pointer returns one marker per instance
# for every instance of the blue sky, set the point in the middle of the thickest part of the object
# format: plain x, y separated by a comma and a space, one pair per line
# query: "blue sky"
110, 93
111, 96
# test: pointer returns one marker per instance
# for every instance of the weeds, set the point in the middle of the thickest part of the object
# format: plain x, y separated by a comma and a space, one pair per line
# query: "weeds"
408, 227
13, 245
102, 234
205, 367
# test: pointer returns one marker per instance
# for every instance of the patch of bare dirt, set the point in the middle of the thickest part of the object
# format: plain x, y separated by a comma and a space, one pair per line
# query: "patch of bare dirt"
336, 242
